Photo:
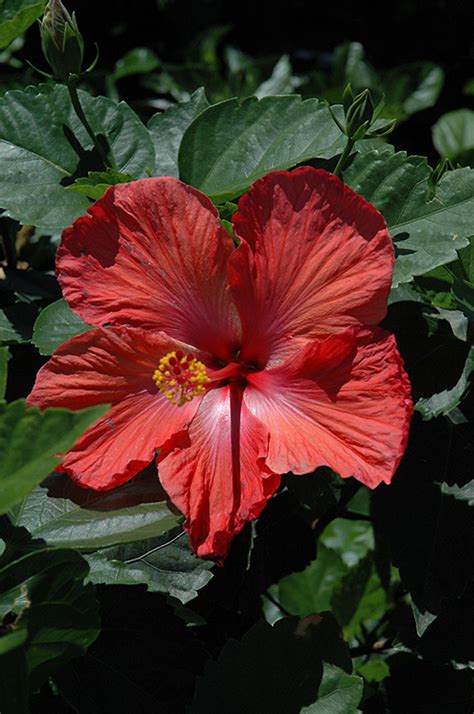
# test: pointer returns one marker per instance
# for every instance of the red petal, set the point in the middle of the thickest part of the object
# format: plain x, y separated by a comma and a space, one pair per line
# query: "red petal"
343, 402
217, 478
102, 366
125, 440
151, 253
315, 258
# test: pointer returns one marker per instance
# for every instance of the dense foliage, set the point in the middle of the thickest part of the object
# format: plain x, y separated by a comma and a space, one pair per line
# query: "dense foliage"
337, 599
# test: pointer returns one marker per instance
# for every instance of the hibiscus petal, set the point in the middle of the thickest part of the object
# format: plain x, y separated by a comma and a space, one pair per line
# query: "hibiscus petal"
315, 258
113, 365
343, 402
125, 440
151, 253
217, 477
103, 366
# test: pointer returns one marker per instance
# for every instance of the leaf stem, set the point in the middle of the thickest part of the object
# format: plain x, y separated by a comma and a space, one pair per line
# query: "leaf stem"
343, 157
76, 103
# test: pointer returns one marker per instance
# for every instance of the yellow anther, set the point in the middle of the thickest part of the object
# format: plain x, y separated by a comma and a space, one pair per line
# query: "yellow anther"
180, 377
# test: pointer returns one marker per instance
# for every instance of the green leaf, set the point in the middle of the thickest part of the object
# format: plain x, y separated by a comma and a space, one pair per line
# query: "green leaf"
339, 693
140, 60
463, 293
352, 540
233, 143
313, 588
4, 357
97, 182
411, 88
56, 324
447, 400
427, 230
58, 613
463, 493
359, 598
29, 440
44, 148
285, 669
163, 564
167, 129
281, 80
16, 16
453, 135
65, 515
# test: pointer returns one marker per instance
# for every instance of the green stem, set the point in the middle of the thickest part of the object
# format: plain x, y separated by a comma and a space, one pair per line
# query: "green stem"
76, 103
343, 157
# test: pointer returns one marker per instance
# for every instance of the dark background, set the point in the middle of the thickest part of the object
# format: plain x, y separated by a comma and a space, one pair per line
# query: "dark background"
393, 33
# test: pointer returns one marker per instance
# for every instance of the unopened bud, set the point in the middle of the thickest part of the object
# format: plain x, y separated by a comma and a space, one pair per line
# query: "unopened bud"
62, 43
359, 115
384, 129
347, 97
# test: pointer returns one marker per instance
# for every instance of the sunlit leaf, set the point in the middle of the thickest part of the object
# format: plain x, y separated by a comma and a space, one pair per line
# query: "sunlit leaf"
16, 16
29, 440
56, 324
427, 230
232, 144
65, 515
167, 129
44, 148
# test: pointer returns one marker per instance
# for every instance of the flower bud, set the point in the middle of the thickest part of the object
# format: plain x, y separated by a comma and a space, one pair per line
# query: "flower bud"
61, 41
359, 115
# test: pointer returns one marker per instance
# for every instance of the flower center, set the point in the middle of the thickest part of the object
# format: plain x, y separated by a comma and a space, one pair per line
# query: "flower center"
180, 377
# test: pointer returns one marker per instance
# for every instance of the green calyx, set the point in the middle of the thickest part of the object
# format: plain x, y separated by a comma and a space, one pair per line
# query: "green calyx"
361, 115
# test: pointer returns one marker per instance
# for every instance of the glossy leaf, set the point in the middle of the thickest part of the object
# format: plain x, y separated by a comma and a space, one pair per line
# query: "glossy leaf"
167, 129
163, 564
29, 440
16, 16
65, 515
427, 230
44, 148
56, 324
232, 144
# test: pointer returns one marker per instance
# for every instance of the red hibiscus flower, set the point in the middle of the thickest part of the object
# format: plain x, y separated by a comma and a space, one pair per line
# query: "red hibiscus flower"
235, 364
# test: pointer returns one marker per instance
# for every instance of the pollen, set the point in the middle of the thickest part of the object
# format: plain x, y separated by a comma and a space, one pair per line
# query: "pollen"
180, 377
